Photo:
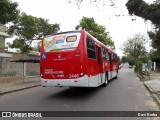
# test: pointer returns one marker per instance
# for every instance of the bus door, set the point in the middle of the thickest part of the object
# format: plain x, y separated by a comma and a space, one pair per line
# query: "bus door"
111, 64
99, 60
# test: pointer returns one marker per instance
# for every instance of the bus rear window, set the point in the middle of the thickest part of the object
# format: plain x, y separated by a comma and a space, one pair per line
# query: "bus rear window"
71, 38
61, 42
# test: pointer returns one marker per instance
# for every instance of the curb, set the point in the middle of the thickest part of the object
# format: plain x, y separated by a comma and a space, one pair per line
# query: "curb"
153, 94
2, 93
157, 99
149, 88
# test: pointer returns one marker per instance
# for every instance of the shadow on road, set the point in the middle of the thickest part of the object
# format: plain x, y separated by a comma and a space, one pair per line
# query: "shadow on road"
78, 92
75, 93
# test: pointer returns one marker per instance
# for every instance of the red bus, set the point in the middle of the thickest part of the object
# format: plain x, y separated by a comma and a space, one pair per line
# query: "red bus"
76, 59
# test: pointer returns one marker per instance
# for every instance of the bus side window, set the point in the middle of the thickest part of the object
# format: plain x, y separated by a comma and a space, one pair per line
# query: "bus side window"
114, 58
91, 49
105, 55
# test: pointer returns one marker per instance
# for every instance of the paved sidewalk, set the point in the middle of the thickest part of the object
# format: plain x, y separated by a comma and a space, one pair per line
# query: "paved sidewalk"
154, 85
19, 85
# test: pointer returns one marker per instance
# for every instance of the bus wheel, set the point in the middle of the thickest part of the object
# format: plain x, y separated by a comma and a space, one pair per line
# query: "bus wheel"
106, 80
116, 75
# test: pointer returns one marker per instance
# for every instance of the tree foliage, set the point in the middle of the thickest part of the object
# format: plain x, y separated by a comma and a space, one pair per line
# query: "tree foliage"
8, 11
149, 12
154, 43
98, 31
155, 55
138, 67
45, 28
135, 46
131, 60
29, 28
143, 59
142, 9
124, 59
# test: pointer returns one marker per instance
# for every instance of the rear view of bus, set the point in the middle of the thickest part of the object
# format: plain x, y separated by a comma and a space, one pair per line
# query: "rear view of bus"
61, 61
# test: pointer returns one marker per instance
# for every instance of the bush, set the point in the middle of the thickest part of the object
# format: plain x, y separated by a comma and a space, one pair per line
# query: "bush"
143, 75
138, 67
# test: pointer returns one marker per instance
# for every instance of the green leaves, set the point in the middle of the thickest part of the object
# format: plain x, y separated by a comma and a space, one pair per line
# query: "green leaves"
138, 67
142, 9
124, 59
46, 28
98, 31
155, 55
131, 60
8, 11
148, 12
29, 28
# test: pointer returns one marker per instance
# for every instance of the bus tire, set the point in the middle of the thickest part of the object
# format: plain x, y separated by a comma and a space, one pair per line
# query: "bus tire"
106, 80
116, 75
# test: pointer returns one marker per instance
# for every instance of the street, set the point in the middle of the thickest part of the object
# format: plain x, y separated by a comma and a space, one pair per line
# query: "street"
126, 93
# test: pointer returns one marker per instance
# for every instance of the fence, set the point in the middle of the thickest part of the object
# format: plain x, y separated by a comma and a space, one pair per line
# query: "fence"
151, 66
8, 69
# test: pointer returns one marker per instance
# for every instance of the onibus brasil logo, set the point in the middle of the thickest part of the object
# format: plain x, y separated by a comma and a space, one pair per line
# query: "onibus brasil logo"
21, 114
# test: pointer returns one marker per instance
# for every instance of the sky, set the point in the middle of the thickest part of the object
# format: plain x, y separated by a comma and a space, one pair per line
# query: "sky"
116, 19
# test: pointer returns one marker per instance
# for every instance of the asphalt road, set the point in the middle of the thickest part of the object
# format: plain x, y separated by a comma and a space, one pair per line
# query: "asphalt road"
126, 93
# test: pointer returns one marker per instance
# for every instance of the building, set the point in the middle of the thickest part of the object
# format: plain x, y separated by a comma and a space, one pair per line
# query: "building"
3, 48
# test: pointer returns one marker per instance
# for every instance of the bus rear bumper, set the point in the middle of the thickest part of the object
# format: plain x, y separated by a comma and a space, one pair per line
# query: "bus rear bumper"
77, 82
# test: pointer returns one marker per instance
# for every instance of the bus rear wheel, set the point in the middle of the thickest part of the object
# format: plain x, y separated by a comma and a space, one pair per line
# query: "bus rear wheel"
116, 75
106, 80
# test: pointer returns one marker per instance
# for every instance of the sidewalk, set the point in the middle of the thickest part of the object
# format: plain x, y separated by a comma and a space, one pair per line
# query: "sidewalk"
154, 85
16, 85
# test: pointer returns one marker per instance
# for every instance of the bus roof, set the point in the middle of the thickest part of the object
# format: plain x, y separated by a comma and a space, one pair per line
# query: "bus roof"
75, 31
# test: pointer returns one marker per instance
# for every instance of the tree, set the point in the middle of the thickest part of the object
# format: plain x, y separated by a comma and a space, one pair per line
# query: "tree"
29, 28
142, 9
131, 60
149, 12
124, 59
8, 11
143, 59
98, 31
135, 46
45, 28
154, 43
155, 57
